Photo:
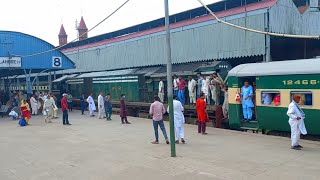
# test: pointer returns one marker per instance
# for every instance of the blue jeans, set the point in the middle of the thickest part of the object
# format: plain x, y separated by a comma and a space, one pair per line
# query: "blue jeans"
163, 129
181, 96
65, 117
175, 92
108, 112
83, 108
70, 106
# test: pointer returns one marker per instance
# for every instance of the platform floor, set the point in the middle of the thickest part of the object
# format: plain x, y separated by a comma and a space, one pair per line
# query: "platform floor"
94, 149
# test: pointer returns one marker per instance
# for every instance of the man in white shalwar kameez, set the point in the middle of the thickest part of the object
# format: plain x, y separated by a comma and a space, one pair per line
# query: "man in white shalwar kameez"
192, 90
161, 90
34, 105
205, 89
48, 107
92, 106
101, 105
296, 121
178, 119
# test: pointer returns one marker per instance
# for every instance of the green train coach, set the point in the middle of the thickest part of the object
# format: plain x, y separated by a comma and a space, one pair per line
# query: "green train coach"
284, 78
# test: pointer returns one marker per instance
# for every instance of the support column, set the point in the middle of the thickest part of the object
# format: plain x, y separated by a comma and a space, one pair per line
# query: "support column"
305, 49
50, 82
18, 85
268, 55
3, 86
169, 79
37, 81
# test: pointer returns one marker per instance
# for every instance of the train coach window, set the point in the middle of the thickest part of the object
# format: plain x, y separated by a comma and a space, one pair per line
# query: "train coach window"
306, 97
270, 98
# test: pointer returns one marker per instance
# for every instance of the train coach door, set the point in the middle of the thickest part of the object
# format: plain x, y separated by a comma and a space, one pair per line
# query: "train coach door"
249, 113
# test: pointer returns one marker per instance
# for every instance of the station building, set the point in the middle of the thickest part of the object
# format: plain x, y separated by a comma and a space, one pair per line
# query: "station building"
198, 43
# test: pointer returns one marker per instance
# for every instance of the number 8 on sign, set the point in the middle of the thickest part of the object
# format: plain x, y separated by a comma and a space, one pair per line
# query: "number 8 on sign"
56, 62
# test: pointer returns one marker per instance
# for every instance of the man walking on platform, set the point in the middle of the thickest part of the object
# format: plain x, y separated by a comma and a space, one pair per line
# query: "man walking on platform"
123, 110
202, 114
65, 108
101, 109
161, 90
92, 106
156, 111
192, 90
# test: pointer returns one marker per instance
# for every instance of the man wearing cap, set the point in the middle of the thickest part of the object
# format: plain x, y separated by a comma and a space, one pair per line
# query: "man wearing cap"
65, 108
296, 121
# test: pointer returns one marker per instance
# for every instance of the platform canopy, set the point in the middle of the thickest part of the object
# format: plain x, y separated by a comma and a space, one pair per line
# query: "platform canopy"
15, 48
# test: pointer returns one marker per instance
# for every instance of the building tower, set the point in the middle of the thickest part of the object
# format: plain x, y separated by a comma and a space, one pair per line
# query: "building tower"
63, 37
82, 28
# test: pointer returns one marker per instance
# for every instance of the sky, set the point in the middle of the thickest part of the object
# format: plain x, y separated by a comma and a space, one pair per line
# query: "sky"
43, 18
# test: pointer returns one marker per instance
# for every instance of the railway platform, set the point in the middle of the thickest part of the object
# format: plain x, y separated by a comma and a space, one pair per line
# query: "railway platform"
96, 149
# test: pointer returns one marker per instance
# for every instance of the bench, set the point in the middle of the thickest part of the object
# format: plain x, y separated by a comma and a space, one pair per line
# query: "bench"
3, 110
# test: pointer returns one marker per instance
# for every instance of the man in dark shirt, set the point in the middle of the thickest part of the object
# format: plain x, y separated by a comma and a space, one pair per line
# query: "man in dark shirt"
108, 106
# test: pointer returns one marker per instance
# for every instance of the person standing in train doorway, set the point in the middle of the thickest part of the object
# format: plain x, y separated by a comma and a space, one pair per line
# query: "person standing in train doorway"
296, 121
161, 90
101, 109
92, 106
247, 104
199, 88
123, 110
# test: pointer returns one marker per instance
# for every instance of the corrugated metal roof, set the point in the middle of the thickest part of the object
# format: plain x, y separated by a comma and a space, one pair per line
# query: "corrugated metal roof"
200, 15
194, 43
286, 17
189, 67
304, 66
107, 73
65, 77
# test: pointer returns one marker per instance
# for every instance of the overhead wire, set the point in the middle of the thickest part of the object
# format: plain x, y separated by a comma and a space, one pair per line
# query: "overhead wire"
258, 31
43, 52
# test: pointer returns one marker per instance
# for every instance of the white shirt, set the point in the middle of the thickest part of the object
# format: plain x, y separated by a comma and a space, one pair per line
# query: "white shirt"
92, 106
294, 111
161, 86
205, 85
178, 113
192, 85
101, 101
49, 103
175, 84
